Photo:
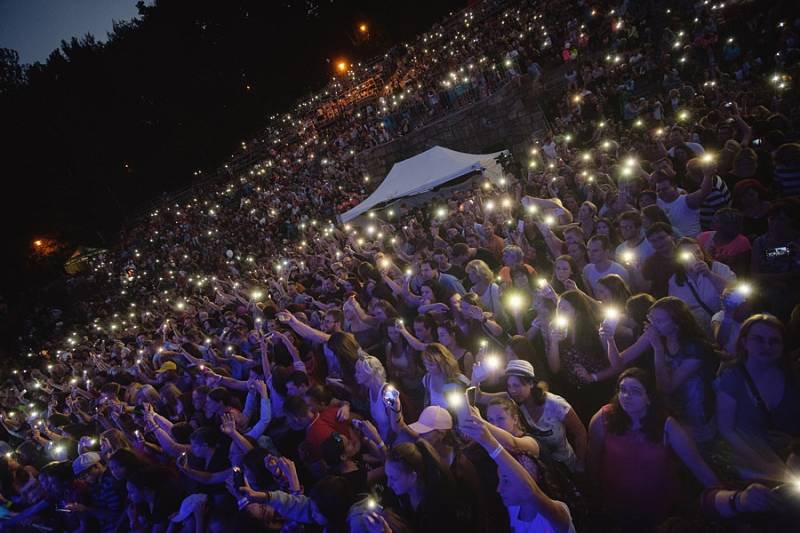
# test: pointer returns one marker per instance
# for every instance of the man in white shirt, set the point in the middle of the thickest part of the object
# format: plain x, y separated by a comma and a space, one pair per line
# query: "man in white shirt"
683, 209
635, 248
599, 250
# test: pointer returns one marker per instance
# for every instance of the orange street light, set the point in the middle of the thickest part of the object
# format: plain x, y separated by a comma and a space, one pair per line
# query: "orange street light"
341, 66
362, 28
37, 243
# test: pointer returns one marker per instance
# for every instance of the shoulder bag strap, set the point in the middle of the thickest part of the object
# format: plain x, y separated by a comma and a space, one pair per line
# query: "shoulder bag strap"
705, 307
751, 385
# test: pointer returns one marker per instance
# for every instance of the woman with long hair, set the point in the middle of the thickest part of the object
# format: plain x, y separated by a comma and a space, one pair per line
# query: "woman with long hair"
483, 284
605, 226
342, 351
447, 333
403, 364
758, 398
371, 376
441, 368
633, 445
684, 361
575, 355
566, 275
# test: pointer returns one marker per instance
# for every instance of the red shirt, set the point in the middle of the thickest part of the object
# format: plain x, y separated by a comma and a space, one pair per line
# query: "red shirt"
322, 428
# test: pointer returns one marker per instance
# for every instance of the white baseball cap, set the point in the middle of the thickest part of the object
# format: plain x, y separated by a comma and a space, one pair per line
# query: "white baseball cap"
432, 418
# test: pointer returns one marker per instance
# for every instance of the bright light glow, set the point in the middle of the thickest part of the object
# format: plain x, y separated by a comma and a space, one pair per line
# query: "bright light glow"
561, 322
628, 257
455, 399
744, 288
492, 362
515, 302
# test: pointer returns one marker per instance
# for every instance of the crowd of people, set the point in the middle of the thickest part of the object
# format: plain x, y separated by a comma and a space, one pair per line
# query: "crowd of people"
605, 339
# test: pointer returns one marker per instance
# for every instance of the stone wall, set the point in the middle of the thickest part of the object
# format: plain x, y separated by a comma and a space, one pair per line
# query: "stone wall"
507, 119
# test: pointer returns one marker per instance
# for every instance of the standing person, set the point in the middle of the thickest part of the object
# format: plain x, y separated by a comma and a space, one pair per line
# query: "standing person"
575, 355
633, 447
600, 264
758, 398
700, 281
654, 275
549, 418
683, 209
425, 490
684, 365
429, 271
635, 248
530, 509
107, 495
371, 375
718, 197
775, 264
482, 279
725, 242
441, 368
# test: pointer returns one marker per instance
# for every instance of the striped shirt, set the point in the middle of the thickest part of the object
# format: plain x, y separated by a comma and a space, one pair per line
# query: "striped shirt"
109, 495
718, 198
788, 180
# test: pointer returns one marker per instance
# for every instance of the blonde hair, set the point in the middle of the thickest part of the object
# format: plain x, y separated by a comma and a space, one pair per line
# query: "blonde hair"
480, 268
372, 366
437, 354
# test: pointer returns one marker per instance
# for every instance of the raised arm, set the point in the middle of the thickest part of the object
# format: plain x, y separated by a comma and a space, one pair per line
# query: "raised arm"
414, 342
556, 513
304, 330
695, 199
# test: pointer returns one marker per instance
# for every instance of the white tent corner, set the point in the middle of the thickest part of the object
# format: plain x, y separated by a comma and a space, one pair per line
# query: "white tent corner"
422, 173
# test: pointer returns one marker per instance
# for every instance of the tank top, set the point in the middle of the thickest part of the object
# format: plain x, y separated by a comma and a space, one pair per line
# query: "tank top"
682, 217
377, 410
637, 475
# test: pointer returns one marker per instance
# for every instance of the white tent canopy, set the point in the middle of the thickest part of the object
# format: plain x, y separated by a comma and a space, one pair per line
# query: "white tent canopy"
422, 173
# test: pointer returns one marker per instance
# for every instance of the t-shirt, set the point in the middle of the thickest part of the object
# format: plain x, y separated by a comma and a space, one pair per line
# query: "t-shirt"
539, 524
549, 430
750, 418
727, 253
682, 217
321, 429
592, 275
641, 251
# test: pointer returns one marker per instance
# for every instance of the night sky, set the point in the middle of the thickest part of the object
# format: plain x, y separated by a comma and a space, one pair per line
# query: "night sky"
34, 28
99, 131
